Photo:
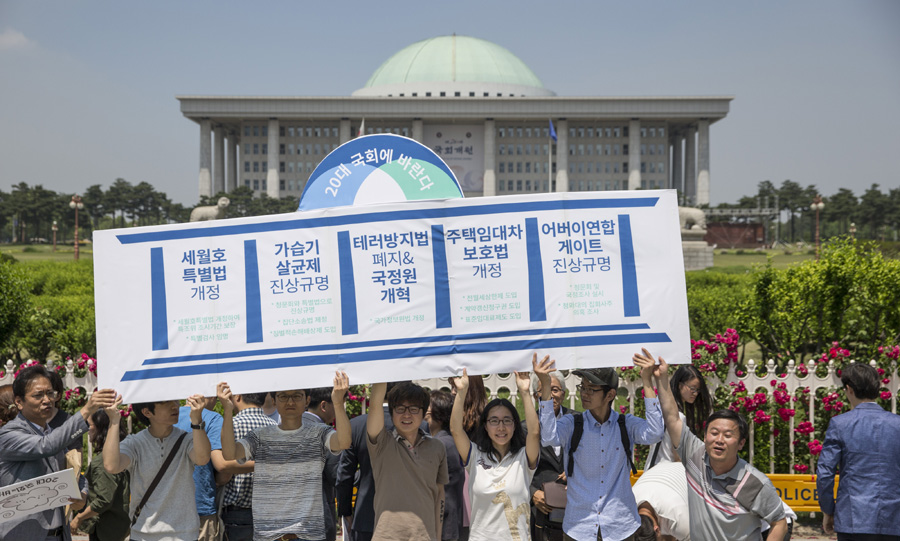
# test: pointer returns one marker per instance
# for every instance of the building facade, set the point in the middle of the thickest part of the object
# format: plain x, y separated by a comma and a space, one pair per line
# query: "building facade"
483, 110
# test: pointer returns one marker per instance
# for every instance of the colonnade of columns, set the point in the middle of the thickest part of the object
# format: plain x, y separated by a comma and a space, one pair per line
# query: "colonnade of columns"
690, 174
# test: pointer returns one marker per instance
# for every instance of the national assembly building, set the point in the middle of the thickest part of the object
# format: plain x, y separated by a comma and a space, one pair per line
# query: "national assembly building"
483, 111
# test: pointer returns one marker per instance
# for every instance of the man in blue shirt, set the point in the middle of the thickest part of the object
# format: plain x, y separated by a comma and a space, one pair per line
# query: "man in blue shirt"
862, 446
600, 503
205, 476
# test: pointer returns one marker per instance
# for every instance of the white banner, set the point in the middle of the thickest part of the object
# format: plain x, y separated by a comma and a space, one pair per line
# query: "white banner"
50, 491
389, 292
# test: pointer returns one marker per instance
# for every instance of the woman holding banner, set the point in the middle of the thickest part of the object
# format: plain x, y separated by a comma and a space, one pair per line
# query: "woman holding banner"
502, 461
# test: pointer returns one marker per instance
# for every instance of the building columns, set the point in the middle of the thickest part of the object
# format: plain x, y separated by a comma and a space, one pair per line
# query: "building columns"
634, 154
205, 179
234, 161
219, 167
677, 165
273, 185
703, 162
490, 177
418, 131
344, 131
562, 156
690, 167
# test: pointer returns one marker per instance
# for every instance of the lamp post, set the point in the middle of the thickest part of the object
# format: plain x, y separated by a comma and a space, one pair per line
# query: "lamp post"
853, 230
817, 205
76, 204
55, 229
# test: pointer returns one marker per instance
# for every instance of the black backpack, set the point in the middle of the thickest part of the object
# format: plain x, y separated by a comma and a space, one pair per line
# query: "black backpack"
576, 439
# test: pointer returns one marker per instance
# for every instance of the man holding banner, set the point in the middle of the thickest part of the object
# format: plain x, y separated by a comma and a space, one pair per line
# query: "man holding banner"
287, 457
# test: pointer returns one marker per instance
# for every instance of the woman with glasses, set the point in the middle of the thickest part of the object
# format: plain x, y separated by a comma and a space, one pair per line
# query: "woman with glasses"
694, 406
502, 462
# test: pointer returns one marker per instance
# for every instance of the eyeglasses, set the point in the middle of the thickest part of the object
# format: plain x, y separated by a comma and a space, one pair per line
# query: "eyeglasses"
290, 397
553, 390
496, 421
693, 390
588, 390
52, 395
412, 410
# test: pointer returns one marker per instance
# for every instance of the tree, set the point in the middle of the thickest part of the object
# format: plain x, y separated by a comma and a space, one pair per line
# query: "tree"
873, 209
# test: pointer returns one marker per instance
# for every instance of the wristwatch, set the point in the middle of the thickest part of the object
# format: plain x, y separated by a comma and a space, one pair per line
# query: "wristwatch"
201, 426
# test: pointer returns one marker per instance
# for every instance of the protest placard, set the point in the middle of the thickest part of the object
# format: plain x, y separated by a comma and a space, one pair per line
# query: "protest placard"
390, 292
50, 491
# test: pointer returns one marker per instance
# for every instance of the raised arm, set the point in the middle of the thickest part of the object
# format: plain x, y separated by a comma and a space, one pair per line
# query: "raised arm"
341, 440
199, 455
230, 451
666, 399
460, 438
533, 438
548, 429
375, 420
113, 461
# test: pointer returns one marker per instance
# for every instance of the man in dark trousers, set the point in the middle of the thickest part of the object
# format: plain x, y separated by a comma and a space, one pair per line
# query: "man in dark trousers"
321, 410
546, 522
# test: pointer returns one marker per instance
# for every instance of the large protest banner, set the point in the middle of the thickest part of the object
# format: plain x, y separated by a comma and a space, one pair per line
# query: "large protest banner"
390, 292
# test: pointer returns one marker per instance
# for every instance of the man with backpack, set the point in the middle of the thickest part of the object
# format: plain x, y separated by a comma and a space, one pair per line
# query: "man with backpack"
597, 448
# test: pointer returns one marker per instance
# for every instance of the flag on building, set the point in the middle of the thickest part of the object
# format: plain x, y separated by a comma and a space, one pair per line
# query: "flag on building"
552, 131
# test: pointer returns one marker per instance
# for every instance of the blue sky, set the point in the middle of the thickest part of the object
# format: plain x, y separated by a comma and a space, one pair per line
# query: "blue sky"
87, 92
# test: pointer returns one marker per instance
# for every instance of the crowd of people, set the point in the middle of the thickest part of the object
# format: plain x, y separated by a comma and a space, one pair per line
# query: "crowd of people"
437, 465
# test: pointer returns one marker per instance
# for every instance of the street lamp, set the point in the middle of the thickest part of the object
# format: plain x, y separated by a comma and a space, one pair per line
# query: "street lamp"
817, 205
55, 229
76, 204
853, 230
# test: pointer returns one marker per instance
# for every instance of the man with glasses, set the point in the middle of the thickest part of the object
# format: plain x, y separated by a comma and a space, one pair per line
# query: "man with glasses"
289, 455
599, 501
861, 445
409, 466
546, 522
29, 448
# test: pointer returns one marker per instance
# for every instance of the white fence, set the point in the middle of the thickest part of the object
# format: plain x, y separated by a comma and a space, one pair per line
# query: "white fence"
505, 383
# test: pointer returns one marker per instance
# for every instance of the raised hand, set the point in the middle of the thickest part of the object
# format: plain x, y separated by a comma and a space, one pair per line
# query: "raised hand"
341, 387
523, 381
462, 382
113, 410
102, 398
197, 403
543, 368
223, 393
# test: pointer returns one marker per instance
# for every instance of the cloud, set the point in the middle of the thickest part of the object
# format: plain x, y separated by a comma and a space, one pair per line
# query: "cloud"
13, 39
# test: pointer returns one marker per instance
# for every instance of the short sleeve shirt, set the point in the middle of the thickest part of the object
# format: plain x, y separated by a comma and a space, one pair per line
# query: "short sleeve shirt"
714, 512
407, 484
205, 475
500, 496
665, 489
285, 460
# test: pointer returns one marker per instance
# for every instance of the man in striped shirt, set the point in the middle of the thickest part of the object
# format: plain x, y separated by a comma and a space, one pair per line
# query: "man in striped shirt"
727, 497
289, 455
237, 514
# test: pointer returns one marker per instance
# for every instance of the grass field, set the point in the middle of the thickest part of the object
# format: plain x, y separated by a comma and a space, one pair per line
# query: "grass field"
44, 252
750, 259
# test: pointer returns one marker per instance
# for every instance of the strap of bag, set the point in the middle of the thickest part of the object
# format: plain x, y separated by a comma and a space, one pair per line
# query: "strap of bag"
627, 443
655, 454
158, 478
576, 439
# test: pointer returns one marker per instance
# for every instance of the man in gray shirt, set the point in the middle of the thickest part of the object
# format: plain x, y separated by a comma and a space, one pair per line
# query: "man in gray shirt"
727, 497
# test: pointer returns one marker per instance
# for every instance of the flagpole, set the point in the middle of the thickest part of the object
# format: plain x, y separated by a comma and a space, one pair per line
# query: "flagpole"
549, 164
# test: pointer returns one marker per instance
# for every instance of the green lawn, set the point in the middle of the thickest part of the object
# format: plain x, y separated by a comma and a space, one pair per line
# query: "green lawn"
732, 261
44, 252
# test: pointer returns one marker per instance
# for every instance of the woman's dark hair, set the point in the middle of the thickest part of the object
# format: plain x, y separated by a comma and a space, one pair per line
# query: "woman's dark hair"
730, 415
863, 379
8, 409
697, 412
483, 441
647, 531
441, 407
409, 392
476, 398
101, 421
57, 383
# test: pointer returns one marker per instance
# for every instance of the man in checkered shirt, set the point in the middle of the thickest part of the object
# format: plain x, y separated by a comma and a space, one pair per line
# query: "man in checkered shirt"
237, 513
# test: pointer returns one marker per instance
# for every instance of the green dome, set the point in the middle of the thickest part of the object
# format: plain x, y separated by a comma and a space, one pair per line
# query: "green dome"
454, 64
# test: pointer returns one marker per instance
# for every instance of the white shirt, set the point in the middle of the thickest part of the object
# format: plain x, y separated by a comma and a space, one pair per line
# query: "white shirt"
665, 488
666, 448
500, 496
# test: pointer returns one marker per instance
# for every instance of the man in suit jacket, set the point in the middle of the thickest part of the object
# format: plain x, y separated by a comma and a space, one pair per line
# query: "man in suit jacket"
321, 410
29, 448
546, 523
